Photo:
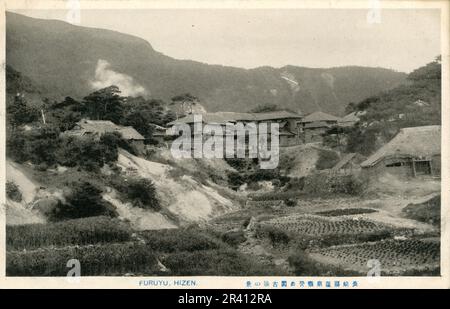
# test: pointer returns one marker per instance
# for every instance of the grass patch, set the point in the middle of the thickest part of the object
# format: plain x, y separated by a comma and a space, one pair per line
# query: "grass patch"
183, 239
84, 231
216, 262
96, 260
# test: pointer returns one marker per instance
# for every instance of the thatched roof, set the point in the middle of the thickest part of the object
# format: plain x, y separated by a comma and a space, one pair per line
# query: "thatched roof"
98, 127
415, 142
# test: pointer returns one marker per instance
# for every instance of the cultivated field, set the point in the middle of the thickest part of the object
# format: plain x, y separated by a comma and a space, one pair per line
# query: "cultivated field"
395, 256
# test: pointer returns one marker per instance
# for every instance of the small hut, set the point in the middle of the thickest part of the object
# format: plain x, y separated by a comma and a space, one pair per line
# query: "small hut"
412, 152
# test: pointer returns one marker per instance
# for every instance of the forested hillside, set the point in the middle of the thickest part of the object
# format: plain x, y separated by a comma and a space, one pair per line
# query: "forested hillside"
67, 60
417, 103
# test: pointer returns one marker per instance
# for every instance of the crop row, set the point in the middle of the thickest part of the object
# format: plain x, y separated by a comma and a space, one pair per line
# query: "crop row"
345, 212
390, 253
315, 226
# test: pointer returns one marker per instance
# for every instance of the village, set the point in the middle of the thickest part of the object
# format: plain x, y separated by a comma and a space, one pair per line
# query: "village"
350, 178
412, 152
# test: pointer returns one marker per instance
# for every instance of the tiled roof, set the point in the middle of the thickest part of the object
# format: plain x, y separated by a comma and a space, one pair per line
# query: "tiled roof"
224, 117
318, 124
320, 116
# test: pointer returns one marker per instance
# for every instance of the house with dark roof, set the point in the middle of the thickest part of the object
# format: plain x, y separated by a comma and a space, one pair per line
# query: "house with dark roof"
289, 122
315, 125
95, 128
414, 151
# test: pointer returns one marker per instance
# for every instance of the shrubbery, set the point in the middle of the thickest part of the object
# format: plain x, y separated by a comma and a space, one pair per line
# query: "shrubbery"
323, 184
303, 265
41, 145
141, 192
234, 238
85, 200
13, 191
44, 147
327, 159
276, 236
236, 179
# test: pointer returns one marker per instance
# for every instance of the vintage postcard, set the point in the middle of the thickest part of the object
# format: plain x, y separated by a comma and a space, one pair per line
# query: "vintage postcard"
224, 144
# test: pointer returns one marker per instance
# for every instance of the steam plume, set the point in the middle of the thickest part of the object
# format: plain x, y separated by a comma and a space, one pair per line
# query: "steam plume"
105, 76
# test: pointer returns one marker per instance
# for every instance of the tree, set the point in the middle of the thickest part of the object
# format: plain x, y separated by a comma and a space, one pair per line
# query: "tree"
64, 114
143, 193
186, 101
85, 200
104, 104
20, 113
42, 145
141, 114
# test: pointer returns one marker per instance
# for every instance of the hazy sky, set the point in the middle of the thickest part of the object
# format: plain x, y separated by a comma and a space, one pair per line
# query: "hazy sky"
403, 40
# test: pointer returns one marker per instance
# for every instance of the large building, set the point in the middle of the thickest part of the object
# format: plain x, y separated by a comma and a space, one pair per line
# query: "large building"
412, 152
289, 122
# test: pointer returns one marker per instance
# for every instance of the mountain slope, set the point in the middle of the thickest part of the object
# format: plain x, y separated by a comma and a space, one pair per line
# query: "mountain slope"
63, 59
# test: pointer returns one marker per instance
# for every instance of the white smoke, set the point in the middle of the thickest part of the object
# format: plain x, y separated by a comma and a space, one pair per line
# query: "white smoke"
105, 77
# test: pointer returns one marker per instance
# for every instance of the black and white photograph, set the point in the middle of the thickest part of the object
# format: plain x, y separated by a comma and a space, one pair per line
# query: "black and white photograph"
265, 142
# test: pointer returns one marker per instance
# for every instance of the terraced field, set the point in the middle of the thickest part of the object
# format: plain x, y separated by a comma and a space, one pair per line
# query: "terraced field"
313, 225
395, 256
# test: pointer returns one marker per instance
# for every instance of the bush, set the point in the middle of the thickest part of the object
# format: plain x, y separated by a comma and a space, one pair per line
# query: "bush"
275, 235
327, 159
112, 141
16, 146
323, 184
428, 211
290, 202
71, 232
234, 238
295, 184
239, 164
85, 200
20, 112
43, 145
141, 192
88, 153
303, 265
235, 179
13, 191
